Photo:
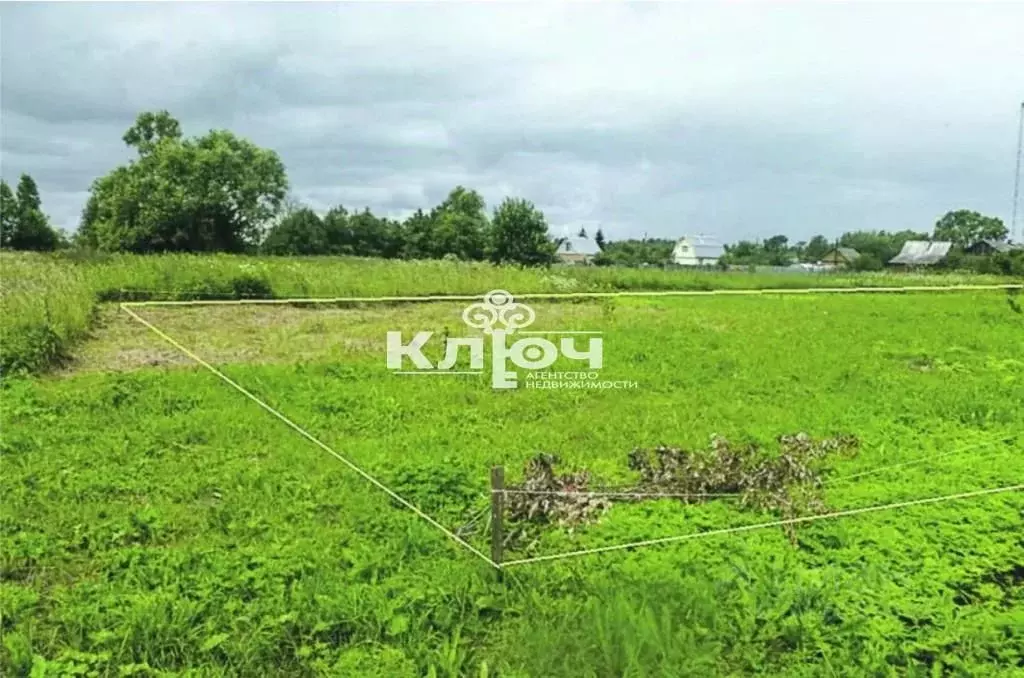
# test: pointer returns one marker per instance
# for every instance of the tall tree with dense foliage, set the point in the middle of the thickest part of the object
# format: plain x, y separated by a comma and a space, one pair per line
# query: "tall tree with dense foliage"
460, 225
418, 236
217, 192
816, 248
373, 236
8, 214
23, 224
744, 252
648, 252
300, 231
964, 228
519, 234
599, 239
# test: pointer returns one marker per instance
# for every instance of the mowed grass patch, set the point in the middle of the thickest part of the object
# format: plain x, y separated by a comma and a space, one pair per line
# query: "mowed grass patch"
741, 367
161, 518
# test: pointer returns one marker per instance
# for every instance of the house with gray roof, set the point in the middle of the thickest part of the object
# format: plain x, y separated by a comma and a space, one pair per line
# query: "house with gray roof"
577, 250
922, 253
697, 250
990, 246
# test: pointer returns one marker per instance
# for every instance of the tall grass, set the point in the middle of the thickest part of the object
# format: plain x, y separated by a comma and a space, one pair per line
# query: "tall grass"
45, 306
47, 302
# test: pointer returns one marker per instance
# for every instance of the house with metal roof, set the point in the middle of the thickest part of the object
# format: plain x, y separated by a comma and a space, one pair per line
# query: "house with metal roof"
990, 246
921, 253
841, 256
697, 250
577, 250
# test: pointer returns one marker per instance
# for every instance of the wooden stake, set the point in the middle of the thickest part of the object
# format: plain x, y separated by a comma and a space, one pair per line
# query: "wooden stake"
497, 511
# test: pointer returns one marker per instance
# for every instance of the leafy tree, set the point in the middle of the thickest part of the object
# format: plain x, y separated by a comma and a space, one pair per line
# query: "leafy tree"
776, 243
867, 262
519, 234
744, 252
23, 225
300, 231
776, 250
816, 248
215, 192
964, 228
373, 236
8, 214
340, 239
599, 239
28, 194
650, 252
419, 236
151, 129
460, 225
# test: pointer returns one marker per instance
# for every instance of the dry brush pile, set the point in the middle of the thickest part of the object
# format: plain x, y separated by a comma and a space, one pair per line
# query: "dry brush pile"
787, 481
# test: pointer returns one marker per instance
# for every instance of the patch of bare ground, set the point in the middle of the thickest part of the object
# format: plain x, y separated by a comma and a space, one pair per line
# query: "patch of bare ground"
282, 334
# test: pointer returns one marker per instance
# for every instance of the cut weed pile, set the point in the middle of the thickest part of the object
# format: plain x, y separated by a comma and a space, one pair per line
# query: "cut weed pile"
787, 482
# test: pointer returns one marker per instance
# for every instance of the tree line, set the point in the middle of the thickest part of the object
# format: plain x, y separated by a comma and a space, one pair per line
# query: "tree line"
23, 224
220, 192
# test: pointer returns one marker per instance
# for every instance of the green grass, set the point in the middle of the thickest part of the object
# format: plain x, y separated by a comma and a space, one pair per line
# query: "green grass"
156, 521
48, 302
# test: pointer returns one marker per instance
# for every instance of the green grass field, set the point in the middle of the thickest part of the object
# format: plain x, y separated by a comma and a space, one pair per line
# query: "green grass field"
157, 522
48, 302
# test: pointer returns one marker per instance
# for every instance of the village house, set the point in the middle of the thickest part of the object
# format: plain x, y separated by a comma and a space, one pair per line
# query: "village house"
989, 246
841, 256
922, 253
697, 250
577, 250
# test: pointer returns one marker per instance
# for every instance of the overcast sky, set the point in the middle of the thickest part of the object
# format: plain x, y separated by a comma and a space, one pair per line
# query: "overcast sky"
739, 120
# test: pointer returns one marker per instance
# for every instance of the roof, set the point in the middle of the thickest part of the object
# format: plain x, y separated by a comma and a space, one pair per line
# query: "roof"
846, 253
922, 252
997, 245
577, 245
704, 247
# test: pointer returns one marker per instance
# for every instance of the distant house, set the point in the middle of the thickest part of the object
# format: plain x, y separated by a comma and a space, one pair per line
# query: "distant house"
841, 256
577, 250
697, 250
986, 247
921, 253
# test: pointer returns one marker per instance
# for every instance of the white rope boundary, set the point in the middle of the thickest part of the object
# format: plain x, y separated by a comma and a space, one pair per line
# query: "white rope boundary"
760, 526
828, 482
313, 439
638, 495
584, 295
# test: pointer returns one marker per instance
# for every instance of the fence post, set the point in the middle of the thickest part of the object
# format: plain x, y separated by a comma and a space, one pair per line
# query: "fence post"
497, 510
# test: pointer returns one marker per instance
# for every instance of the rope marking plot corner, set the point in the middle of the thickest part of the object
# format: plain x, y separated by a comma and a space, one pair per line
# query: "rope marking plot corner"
311, 438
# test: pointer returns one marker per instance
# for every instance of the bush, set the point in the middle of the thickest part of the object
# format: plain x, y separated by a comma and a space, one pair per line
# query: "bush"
30, 348
867, 262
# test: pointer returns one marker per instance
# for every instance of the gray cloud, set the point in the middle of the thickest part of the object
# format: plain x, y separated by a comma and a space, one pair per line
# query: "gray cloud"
743, 121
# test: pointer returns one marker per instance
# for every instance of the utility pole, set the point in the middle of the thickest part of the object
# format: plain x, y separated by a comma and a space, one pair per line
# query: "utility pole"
1016, 180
